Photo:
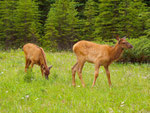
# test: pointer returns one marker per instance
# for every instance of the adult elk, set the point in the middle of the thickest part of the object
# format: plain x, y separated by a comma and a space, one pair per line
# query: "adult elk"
100, 55
36, 55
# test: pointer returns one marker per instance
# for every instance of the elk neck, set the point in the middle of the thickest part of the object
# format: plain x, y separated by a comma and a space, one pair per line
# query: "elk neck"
43, 59
116, 52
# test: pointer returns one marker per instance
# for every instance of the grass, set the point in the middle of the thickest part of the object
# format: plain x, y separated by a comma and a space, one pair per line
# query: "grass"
28, 92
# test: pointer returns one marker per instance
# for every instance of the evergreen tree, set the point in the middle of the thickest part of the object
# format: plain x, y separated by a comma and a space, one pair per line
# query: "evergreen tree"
90, 13
61, 26
80, 4
44, 7
27, 22
119, 17
7, 27
145, 18
147, 2
130, 20
147, 31
106, 24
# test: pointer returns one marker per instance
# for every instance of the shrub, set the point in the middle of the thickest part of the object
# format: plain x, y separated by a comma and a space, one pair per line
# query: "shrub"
140, 51
29, 76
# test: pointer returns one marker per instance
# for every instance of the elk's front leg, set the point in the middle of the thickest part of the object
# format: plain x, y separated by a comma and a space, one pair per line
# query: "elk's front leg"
108, 75
42, 71
97, 66
28, 62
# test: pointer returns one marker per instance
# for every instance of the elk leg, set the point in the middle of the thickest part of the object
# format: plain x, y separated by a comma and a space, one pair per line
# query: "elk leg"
96, 74
79, 70
28, 62
108, 74
32, 64
74, 68
26, 65
42, 71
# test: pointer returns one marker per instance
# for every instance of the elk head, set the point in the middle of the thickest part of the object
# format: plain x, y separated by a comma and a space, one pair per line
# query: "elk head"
47, 71
123, 43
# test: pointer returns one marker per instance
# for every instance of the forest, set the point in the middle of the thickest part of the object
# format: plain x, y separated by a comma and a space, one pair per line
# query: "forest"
58, 24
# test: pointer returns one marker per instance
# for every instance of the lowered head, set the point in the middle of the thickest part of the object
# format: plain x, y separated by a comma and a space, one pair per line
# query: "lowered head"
47, 72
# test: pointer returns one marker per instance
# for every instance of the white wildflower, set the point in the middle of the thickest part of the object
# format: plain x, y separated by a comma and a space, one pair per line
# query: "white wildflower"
22, 98
78, 86
122, 104
27, 96
36, 98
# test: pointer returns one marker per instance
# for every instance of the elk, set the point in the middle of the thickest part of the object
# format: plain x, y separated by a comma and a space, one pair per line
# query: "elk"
35, 55
100, 55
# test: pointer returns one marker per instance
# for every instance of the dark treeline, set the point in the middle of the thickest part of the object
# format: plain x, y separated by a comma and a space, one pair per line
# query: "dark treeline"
58, 24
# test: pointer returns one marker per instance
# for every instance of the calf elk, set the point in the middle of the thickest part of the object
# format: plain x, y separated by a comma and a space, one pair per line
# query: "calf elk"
36, 55
100, 55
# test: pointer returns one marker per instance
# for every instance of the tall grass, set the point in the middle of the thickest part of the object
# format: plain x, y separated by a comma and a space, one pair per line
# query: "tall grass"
28, 92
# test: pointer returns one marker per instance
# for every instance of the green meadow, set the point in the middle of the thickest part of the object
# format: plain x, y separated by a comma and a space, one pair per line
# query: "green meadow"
22, 92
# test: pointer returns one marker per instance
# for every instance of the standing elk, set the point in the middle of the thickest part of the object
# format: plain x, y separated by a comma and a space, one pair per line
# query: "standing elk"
36, 55
100, 55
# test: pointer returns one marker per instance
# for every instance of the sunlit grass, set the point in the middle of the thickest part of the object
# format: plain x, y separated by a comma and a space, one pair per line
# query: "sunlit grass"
30, 92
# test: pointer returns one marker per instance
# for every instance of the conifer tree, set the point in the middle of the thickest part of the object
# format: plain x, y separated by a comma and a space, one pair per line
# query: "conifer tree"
145, 18
7, 27
107, 21
61, 25
130, 21
27, 22
119, 17
90, 13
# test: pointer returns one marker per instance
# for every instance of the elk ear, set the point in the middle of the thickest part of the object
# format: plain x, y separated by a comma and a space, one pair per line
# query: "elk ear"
117, 37
124, 37
50, 67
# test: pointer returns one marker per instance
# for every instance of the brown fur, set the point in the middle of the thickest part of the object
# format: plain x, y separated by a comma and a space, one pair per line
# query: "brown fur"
100, 55
36, 55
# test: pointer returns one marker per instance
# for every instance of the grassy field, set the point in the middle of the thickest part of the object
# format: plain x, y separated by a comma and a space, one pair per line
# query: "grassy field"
22, 92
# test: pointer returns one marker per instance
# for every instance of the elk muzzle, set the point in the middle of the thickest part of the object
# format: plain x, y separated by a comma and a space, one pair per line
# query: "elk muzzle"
130, 46
46, 77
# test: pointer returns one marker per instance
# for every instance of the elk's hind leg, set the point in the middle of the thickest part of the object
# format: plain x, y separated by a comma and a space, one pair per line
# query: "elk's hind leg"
74, 69
42, 70
79, 70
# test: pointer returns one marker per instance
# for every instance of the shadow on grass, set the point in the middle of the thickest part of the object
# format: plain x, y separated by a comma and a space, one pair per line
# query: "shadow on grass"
29, 76
53, 77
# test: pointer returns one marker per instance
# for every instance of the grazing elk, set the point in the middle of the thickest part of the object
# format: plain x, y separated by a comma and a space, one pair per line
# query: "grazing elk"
100, 55
36, 55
